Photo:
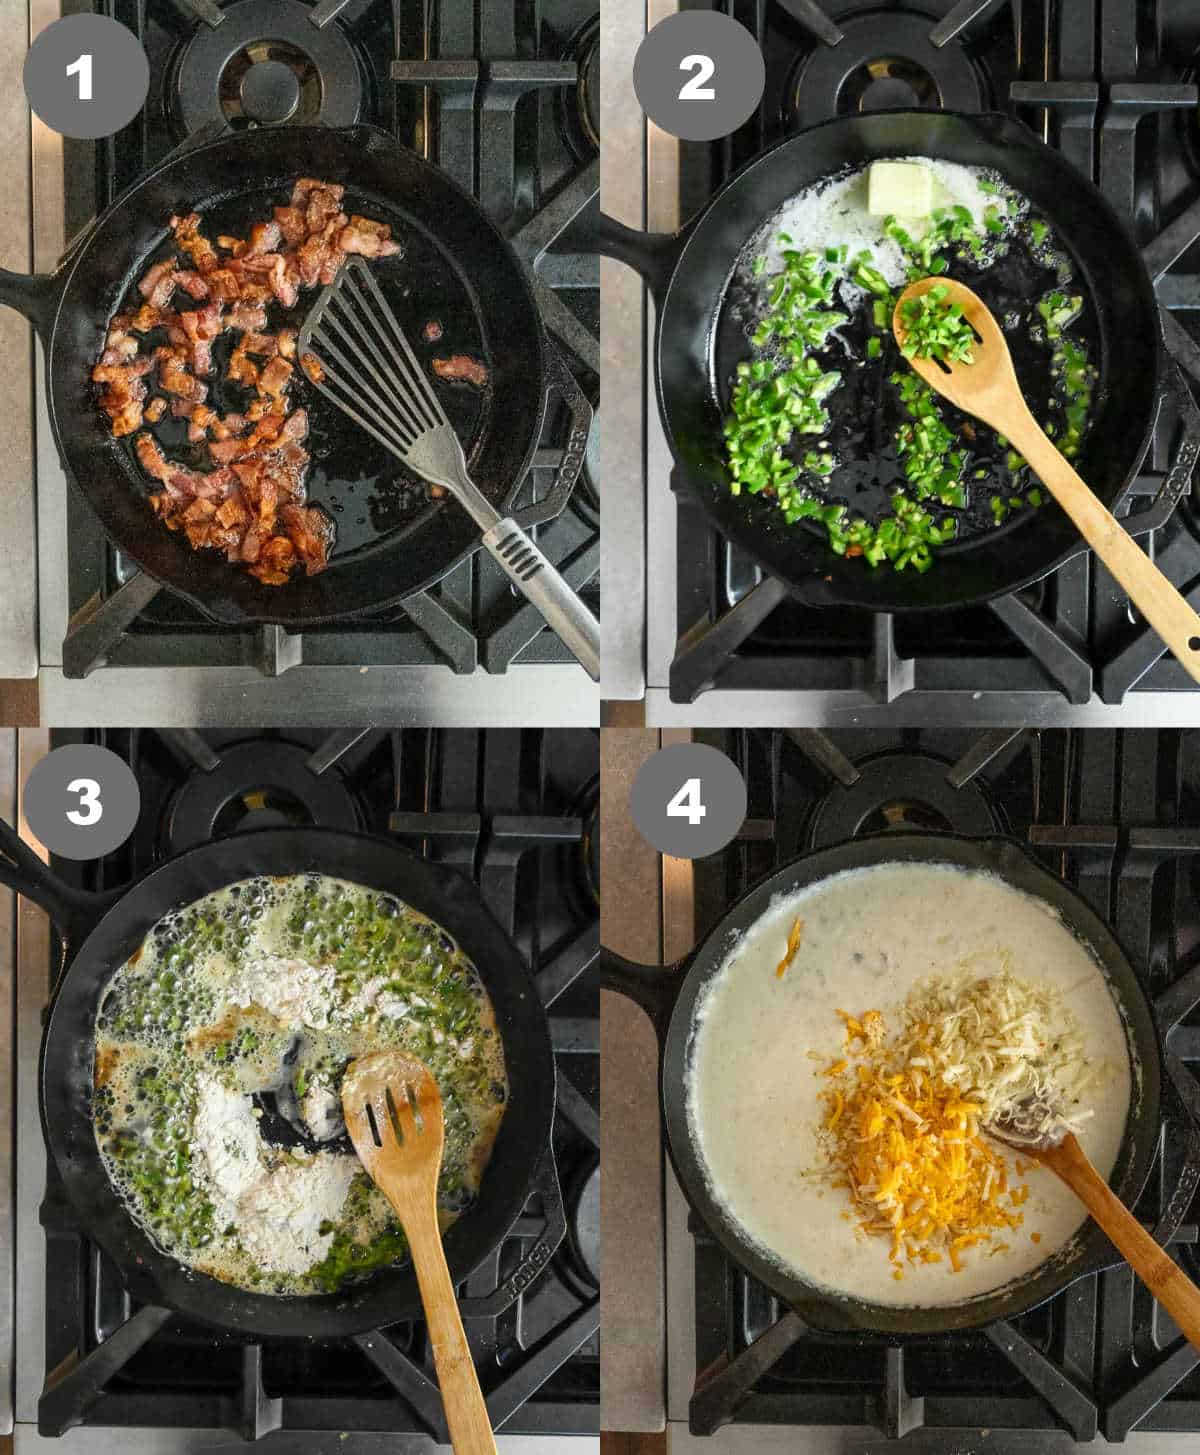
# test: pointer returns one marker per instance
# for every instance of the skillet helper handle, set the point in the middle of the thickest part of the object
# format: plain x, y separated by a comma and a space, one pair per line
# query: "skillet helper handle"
533, 575
1157, 1270
1154, 596
652, 254
654, 987
32, 294
466, 1413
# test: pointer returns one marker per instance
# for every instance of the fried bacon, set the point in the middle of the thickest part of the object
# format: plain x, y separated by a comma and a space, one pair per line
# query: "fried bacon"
251, 504
462, 367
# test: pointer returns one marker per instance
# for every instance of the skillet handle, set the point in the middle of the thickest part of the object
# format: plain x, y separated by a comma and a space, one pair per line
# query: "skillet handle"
546, 1184
74, 911
35, 295
652, 254
654, 987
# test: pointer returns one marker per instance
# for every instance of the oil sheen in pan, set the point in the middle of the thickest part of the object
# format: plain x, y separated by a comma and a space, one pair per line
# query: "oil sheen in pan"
761, 1042
865, 410
367, 492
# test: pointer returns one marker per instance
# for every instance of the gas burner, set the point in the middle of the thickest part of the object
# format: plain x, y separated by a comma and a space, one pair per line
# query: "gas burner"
579, 110
587, 809
885, 62
901, 791
265, 64
580, 1257
257, 785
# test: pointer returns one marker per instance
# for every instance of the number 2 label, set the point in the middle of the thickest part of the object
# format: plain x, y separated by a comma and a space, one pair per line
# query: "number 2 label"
82, 67
687, 804
90, 809
695, 89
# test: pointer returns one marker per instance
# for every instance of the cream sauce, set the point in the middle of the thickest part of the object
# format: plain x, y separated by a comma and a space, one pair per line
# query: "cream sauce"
761, 1042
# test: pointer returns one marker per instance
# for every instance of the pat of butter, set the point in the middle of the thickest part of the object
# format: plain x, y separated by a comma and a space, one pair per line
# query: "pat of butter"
904, 188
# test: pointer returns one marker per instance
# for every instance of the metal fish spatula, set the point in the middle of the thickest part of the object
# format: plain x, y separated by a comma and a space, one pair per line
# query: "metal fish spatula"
372, 374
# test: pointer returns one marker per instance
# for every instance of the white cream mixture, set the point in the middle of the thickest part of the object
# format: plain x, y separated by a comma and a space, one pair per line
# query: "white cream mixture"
761, 1042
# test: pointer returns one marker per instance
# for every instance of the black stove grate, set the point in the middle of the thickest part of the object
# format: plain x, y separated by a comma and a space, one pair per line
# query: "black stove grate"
511, 809
1112, 84
1116, 814
502, 101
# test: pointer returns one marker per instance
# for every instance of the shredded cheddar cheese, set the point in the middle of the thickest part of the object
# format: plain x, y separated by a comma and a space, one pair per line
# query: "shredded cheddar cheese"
903, 1117
793, 945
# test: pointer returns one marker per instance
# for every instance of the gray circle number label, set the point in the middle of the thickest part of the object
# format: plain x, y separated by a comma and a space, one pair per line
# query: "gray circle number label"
688, 800
698, 75
86, 76
82, 801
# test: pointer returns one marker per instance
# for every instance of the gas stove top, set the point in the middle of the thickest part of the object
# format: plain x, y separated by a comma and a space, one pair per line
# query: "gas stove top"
504, 102
516, 811
1116, 815
1113, 84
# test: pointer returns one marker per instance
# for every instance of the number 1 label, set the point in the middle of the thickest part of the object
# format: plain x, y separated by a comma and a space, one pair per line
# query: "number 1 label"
82, 67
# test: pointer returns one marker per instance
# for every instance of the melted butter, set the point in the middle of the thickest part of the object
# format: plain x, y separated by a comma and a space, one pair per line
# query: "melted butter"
391, 978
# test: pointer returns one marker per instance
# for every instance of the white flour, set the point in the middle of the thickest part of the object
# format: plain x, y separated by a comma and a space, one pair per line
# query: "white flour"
278, 1214
279, 1220
290, 990
225, 1134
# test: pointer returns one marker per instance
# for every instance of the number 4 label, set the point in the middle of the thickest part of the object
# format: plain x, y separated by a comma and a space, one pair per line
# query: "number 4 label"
695, 89
82, 67
687, 804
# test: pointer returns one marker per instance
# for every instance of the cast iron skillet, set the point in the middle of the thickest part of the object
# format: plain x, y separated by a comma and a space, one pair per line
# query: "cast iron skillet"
459, 266
100, 931
670, 996
688, 275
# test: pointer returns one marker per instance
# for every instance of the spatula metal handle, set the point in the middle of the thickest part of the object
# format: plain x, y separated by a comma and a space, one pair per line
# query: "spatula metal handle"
540, 583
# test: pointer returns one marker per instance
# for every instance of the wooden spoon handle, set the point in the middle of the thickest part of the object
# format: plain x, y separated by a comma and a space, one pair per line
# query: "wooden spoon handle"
466, 1414
1161, 1275
1153, 595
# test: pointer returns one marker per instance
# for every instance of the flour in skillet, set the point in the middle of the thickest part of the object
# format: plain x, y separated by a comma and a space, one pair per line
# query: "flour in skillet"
760, 1043
256, 998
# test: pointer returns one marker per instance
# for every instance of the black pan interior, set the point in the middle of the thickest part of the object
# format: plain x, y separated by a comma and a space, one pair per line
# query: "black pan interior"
456, 270
1091, 1250
691, 374
67, 1076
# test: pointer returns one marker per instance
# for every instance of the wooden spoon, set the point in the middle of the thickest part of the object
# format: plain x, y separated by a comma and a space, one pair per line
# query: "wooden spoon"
988, 389
1061, 1152
393, 1113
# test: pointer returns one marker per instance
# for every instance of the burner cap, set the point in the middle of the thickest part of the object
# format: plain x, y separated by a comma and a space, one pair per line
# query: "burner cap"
583, 1236
579, 111
270, 92
266, 63
901, 791
258, 785
885, 62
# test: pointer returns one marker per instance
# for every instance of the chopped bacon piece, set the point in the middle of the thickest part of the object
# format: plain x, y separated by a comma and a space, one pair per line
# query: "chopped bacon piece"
155, 410
194, 243
223, 284
312, 367
242, 369
265, 237
310, 530
148, 317
283, 284
367, 244
174, 378
286, 342
275, 561
119, 347
255, 292
235, 245
248, 316
151, 458
225, 426
266, 345
295, 427
292, 225
124, 408
462, 367
158, 284
191, 283
275, 377
122, 373
432, 331
202, 326
324, 202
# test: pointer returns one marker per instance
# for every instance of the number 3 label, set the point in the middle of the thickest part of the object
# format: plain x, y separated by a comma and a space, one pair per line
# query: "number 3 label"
687, 804
695, 89
90, 809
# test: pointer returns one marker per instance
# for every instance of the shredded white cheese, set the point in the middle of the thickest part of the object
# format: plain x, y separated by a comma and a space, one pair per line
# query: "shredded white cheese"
1004, 1043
